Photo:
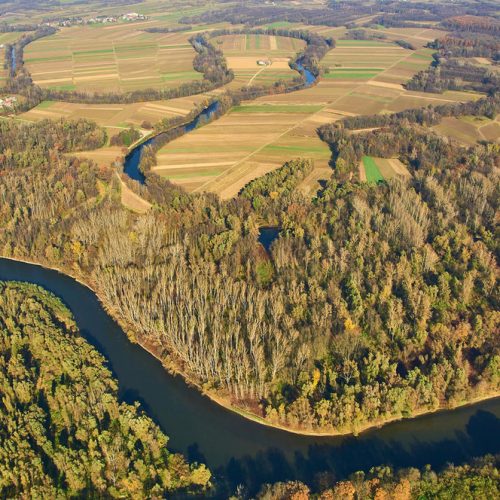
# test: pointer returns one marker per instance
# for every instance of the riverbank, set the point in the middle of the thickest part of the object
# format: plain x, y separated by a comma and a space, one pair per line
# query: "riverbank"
173, 367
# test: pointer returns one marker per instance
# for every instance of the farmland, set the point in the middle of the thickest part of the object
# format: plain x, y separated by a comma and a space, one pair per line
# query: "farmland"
257, 137
242, 52
359, 77
111, 58
115, 117
469, 130
375, 170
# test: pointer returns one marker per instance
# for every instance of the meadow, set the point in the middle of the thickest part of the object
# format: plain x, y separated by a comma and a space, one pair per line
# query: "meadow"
375, 170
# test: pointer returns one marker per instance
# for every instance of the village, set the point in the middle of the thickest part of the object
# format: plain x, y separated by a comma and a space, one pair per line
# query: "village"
75, 21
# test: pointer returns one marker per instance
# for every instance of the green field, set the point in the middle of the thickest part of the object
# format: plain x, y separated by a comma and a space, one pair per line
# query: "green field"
372, 171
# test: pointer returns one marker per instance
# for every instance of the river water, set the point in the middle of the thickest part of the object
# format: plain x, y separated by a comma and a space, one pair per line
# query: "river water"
13, 62
242, 451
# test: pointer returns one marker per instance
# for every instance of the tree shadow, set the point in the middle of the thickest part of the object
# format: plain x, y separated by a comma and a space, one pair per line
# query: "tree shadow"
482, 436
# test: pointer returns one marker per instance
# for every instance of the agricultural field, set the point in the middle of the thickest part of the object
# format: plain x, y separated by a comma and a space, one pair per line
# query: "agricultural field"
116, 117
470, 129
361, 77
114, 58
375, 170
258, 137
244, 51
240, 146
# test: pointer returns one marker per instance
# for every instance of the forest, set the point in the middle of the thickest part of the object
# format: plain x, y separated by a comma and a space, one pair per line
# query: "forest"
63, 432
376, 301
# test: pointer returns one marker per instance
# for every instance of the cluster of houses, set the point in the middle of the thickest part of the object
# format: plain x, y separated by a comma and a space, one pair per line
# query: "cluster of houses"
131, 16
75, 21
8, 102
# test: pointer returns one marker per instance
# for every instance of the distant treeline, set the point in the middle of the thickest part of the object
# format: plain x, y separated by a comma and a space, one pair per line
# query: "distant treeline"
158, 29
468, 45
254, 15
455, 74
428, 116
9, 28
401, 14
475, 24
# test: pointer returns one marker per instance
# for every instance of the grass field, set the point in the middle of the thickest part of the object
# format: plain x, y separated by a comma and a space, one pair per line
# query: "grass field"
111, 58
243, 51
372, 172
375, 170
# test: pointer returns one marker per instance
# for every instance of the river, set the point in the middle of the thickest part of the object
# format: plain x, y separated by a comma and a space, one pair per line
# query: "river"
242, 451
133, 159
13, 62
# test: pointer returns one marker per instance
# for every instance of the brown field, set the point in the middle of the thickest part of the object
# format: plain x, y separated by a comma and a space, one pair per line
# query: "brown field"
243, 51
116, 117
468, 130
133, 201
111, 58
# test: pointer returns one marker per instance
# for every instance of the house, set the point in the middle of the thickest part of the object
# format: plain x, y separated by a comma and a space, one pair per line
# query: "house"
8, 102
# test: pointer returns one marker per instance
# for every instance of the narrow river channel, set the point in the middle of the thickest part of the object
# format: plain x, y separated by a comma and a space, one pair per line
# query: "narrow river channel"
242, 451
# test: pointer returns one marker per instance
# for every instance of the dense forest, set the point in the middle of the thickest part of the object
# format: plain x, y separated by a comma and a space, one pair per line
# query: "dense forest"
480, 479
374, 302
63, 432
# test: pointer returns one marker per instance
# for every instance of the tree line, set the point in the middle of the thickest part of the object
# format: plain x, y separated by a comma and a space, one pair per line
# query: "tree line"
428, 116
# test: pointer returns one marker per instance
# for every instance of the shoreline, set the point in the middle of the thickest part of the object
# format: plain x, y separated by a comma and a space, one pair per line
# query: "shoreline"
174, 370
